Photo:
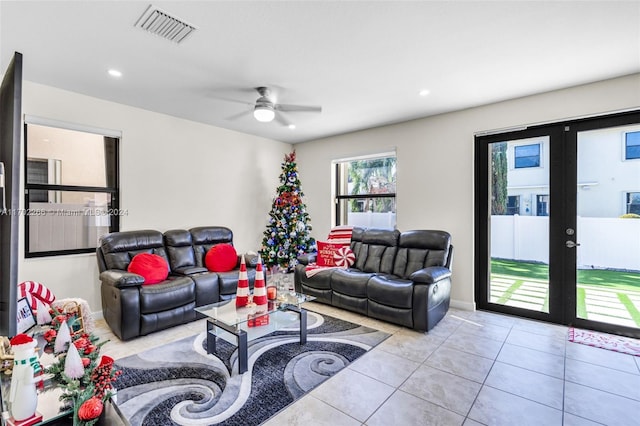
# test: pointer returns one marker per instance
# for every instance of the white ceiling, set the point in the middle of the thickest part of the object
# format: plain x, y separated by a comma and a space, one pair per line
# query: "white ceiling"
364, 62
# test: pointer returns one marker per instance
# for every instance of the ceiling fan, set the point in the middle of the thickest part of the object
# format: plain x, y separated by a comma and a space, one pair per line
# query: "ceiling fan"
265, 109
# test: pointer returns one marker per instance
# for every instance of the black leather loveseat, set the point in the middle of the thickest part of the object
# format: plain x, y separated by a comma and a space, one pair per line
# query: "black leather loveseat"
132, 309
400, 277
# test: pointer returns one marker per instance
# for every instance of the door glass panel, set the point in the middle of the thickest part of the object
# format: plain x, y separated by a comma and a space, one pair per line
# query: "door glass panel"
519, 225
608, 226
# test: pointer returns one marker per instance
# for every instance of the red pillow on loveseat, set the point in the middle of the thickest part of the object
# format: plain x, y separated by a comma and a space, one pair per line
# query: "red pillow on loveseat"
221, 258
152, 267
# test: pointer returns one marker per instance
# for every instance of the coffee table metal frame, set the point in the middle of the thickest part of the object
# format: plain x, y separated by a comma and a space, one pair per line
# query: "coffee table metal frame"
242, 336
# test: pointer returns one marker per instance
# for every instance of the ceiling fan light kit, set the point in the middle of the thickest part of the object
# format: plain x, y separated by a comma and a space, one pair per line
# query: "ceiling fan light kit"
264, 111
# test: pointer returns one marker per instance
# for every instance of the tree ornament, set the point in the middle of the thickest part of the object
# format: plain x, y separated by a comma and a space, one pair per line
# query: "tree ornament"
62, 338
73, 366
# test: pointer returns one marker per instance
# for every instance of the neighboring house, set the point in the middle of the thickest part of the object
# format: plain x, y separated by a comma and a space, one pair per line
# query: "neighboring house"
608, 174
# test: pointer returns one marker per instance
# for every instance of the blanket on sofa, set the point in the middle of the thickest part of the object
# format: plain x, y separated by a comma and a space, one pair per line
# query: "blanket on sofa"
338, 236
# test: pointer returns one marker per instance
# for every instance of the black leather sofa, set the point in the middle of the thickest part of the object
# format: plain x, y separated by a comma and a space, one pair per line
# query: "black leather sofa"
400, 277
132, 309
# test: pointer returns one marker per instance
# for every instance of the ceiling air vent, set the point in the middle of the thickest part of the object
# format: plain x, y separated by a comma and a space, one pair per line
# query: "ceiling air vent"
160, 23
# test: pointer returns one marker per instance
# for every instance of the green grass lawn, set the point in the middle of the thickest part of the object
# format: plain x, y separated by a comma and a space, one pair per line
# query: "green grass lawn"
621, 285
618, 280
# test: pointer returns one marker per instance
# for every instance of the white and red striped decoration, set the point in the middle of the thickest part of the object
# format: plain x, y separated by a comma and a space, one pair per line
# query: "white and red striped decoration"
344, 257
341, 235
35, 291
259, 288
242, 292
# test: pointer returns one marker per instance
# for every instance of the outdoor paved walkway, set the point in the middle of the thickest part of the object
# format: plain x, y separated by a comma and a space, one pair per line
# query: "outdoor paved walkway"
594, 303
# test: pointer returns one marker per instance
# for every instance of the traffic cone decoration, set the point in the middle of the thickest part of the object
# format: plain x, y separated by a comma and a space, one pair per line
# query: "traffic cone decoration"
242, 293
259, 288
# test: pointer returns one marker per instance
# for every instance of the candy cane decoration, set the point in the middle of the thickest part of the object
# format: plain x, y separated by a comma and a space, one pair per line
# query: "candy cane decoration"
35, 291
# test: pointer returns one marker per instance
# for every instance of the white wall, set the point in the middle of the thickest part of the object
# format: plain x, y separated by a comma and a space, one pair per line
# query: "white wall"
174, 173
435, 162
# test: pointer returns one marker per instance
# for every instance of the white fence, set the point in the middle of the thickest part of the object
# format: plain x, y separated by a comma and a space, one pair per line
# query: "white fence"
605, 243
372, 220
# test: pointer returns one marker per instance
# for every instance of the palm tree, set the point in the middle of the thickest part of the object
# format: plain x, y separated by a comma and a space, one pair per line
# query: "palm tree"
376, 176
499, 178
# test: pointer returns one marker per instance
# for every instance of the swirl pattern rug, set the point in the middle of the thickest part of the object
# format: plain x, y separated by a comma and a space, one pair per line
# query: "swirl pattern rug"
180, 384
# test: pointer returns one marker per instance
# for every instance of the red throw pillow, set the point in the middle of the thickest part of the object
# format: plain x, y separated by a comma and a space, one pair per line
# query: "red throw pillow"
221, 258
326, 252
152, 267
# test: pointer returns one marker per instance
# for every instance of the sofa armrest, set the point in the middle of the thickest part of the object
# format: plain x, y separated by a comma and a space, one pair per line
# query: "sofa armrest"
120, 279
189, 270
306, 259
430, 275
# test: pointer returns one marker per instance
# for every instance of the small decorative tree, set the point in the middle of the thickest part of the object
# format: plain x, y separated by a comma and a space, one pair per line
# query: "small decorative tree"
287, 234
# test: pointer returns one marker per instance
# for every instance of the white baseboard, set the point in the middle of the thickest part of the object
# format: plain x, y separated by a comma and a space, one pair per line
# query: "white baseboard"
97, 315
465, 306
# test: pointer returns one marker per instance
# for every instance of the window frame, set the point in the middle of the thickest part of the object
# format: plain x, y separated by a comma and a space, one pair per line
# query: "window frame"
625, 148
628, 203
340, 197
114, 208
515, 156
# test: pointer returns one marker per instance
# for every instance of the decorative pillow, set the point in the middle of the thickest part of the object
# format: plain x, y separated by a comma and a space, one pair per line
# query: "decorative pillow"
326, 252
344, 257
152, 267
221, 258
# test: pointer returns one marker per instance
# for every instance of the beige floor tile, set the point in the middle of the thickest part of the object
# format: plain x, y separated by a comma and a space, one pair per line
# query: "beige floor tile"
606, 358
495, 407
531, 359
405, 409
309, 410
385, 367
603, 378
411, 345
354, 393
466, 342
444, 389
461, 364
599, 406
528, 384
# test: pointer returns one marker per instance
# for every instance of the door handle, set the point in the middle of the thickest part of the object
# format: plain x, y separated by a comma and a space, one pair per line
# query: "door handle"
571, 244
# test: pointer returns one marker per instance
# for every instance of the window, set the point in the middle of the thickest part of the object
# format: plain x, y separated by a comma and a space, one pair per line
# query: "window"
366, 192
71, 188
631, 145
513, 204
526, 156
633, 202
542, 205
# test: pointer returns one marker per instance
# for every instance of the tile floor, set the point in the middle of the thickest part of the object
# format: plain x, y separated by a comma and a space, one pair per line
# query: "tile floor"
474, 368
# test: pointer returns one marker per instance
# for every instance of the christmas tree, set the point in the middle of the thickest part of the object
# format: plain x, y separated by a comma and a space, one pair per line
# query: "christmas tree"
287, 234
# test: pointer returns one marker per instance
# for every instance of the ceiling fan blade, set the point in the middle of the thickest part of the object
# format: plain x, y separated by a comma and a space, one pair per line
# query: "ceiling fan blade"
280, 119
298, 108
238, 115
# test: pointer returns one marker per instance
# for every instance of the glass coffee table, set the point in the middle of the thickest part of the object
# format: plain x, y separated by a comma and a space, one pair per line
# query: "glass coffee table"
239, 326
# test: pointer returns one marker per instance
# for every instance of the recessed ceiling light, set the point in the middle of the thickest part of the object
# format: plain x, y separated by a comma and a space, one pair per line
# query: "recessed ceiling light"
424, 92
292, 126
115, 73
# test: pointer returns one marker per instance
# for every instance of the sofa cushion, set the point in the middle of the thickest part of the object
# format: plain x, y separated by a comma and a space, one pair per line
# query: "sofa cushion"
221, 258
205, 237
350, 282
390, 291
153, 268
179, 249
167, 295
375, 249
420, 249
118, 248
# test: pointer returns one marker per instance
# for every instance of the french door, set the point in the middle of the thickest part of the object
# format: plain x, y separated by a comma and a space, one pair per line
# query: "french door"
557, 236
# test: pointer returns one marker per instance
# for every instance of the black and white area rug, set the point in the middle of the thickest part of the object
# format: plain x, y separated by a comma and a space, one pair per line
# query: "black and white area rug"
180, 384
